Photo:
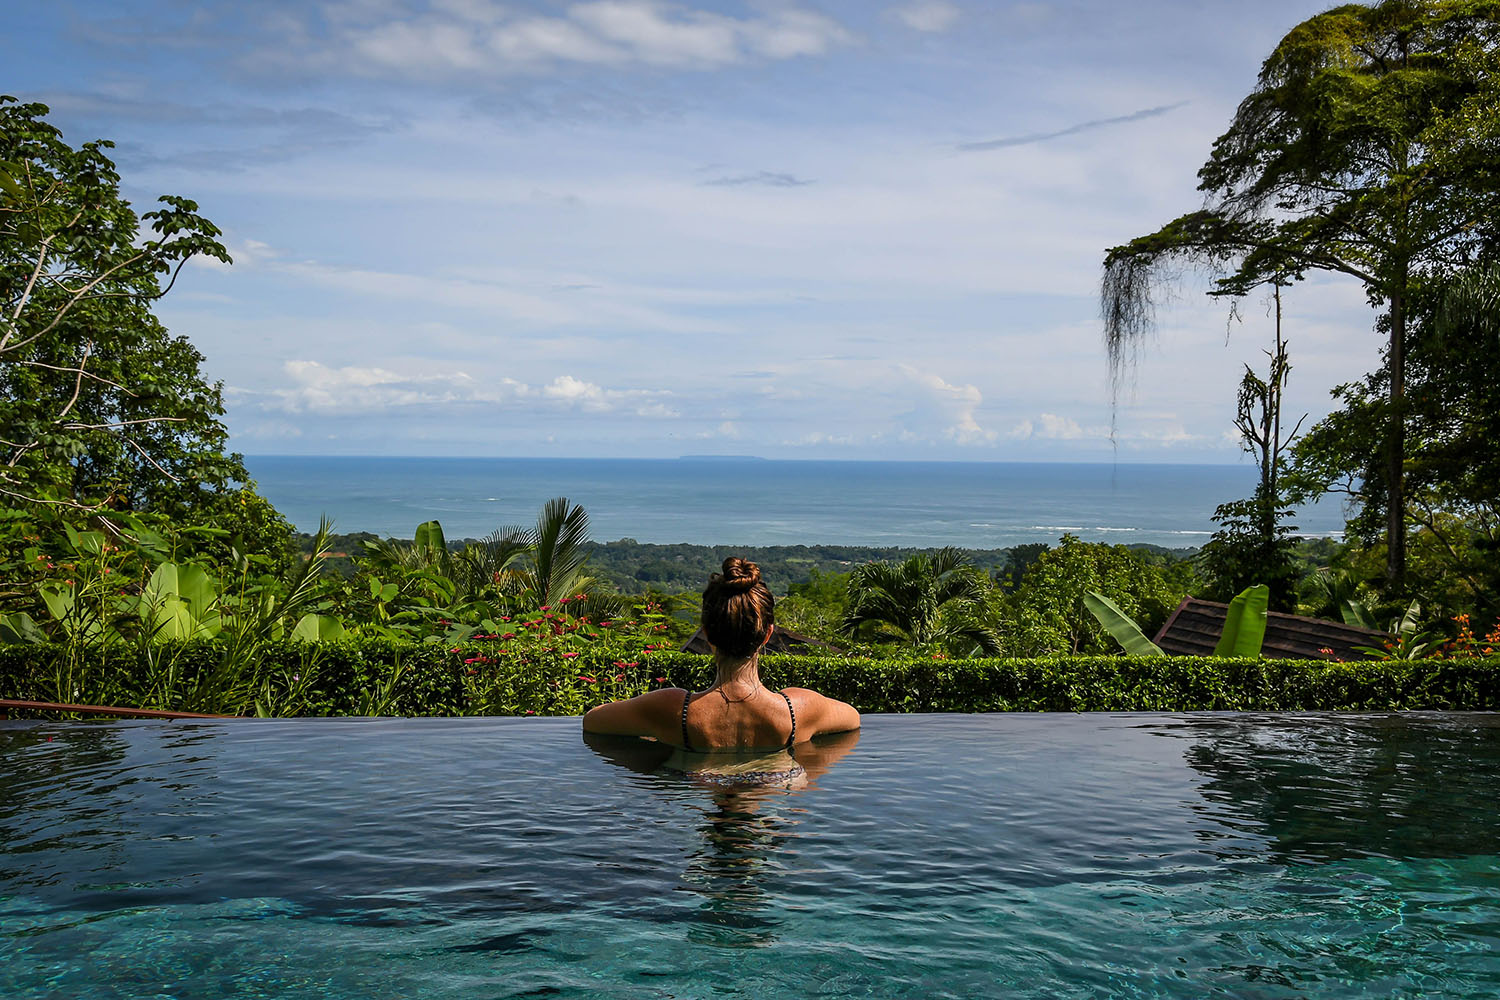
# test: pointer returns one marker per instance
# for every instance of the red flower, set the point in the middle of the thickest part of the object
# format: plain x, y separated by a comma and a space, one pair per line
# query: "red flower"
569, 656
586, 678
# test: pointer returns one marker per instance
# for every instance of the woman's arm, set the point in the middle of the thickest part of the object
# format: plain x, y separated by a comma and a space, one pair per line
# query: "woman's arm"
643, 715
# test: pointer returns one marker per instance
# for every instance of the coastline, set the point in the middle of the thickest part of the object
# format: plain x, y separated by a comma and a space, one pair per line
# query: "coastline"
744, 503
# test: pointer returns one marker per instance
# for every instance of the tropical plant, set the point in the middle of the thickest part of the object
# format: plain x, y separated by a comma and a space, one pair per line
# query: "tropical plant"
426, 589
1333, 593
1365, 149
1121, 627
1408, 641
1050, 599
1244, 624
559, 552
926, 600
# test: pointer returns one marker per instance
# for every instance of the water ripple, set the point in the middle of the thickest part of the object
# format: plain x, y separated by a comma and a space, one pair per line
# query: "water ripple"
1045, 855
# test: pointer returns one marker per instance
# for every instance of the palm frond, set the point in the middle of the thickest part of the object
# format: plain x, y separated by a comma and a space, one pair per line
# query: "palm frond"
557, 549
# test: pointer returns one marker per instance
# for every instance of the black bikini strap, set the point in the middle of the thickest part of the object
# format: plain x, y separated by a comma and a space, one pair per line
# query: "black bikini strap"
686, 697
791, 740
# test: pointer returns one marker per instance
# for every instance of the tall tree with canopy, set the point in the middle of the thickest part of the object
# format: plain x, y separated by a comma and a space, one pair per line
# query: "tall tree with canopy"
99, 404
1367, 148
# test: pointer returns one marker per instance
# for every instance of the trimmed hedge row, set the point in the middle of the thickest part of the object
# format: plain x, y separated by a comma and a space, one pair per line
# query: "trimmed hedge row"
343, 677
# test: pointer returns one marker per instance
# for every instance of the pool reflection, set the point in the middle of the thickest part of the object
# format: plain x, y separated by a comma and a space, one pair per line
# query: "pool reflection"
750, 811
1325, 788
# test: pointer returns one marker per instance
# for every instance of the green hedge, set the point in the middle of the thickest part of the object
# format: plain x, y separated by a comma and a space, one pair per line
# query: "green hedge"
342, 678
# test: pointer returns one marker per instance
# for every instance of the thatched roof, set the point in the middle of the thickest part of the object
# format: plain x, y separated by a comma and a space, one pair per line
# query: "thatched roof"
782, 641
1195, 627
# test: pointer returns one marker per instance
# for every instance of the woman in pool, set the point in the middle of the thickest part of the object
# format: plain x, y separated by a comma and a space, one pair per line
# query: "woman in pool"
736, 712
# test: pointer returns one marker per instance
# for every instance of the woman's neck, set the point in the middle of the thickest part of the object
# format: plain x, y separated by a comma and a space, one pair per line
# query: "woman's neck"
737, 672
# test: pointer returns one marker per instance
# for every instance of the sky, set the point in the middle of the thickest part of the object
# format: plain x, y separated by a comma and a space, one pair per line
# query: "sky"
630, 228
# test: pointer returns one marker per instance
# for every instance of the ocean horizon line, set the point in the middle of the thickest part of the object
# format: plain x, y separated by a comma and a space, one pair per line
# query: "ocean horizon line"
754, 458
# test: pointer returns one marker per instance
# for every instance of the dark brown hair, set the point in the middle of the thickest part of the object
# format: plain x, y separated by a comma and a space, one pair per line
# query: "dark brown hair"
737, 608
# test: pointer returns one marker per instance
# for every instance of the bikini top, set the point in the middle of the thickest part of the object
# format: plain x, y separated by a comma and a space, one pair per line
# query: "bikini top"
687, 696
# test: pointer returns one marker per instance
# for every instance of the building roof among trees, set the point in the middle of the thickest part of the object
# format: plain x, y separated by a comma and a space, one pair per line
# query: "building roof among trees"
1195, 627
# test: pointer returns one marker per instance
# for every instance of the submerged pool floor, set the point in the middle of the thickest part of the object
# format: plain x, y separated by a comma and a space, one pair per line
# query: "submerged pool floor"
931, 856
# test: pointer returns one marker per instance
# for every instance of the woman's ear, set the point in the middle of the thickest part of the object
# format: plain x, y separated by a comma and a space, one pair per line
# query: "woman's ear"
770, 631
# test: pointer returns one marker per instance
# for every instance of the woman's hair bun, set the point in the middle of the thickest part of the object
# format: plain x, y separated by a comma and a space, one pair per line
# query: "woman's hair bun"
739, 574
738, 609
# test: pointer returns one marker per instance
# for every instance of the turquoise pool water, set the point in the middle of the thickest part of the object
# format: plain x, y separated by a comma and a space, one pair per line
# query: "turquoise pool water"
934, 856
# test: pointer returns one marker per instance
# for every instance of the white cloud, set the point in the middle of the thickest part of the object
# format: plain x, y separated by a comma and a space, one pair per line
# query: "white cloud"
318, 389
482, 39
927, 15
595, 399
787, 34
1162, 430
572, 390
1058, 428
1052, 427
956, 405
816, 438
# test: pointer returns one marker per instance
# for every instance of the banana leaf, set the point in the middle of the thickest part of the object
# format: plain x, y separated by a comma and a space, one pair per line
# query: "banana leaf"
1119, 625
1245, 624
318, 628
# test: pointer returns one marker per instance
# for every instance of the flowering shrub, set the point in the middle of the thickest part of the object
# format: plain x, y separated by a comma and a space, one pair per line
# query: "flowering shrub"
1465, 645
555, 662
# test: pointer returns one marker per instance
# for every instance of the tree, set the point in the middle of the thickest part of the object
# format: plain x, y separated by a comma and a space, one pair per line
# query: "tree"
1452, 465
1253, 544
98, 403
1051, 595
924, 599
1459, 399
1365, 149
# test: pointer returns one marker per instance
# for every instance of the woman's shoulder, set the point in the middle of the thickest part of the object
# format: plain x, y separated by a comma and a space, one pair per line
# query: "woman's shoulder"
818, 713
804, 694
644, 715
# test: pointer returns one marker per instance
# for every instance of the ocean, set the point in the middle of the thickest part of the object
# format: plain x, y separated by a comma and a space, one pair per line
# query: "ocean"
980, 505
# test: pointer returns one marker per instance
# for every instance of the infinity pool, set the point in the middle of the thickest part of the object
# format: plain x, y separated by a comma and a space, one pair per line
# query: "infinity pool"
933, 856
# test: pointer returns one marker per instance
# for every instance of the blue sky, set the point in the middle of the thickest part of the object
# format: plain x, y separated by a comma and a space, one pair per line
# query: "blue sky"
637, 228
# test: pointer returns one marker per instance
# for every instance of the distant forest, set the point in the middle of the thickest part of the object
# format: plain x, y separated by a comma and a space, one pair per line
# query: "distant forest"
632, 567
